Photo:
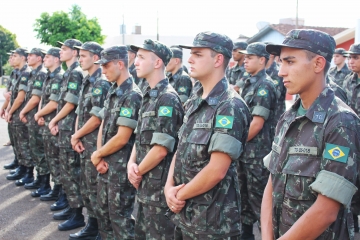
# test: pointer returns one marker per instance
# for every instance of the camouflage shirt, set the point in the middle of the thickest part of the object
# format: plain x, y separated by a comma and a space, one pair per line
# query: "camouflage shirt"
35, 83
160, 119
12, 79
259, 94
133, 73
92, 97
273, 71
143, 85
218, 123
20, 84
182, 84
69, 92
339, 92
339, 76
234, 74
121, 108
315, 153
352, 89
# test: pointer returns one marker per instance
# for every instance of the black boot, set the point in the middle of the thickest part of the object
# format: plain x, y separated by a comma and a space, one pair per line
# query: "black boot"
28, 178
247, 232
14, 170
75, 221
45, 187
64, 214
35, 184
61, 203
356, 223
20, 172
53, 195
14, 164
90, 231
98, 237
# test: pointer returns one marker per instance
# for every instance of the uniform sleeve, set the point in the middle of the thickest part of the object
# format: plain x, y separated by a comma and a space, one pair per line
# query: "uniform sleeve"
99, 93
231, 126
339, 163
185, 88
169, 119
129, 111
55, 89
73, 87
38, 84
264, 101
24, 79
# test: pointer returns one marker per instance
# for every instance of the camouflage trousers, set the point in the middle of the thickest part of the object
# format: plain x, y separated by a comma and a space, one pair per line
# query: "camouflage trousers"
36, 144
355, 201
70, 170
11, 136
182, 234
88, 182
51, 150
152, 224
252, 181
21, 141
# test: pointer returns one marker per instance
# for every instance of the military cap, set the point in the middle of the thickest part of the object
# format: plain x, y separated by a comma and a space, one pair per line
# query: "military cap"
218, 42
257, 48
354, 49
22, 51
71, 43
113, 53
177, 51
129, 49
93, 47
160, 49
37, 51
308, 39
240, 45
11, 52
54, 51
341, 51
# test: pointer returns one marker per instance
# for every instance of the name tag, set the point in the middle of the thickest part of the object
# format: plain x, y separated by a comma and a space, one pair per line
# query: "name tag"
202, 125
88, 95
249, 94
63, 89
276, 148
303, 150
115, 110
148, 114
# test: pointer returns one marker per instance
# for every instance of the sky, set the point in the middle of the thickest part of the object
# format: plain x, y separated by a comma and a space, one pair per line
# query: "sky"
180, 18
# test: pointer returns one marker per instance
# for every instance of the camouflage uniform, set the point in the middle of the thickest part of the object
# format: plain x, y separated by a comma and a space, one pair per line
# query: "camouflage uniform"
36, 143
273, 71
21, 134
181, 82
339, 76
51, 92
234, 74
69, 159
11, 129
143, 85
339, 92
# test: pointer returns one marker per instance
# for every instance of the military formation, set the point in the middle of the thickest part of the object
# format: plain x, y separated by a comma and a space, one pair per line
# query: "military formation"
202, 155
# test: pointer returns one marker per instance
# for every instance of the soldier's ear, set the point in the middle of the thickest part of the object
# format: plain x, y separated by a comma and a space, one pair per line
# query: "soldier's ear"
319, 63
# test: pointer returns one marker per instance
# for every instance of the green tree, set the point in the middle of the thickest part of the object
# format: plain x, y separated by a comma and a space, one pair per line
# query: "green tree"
7, 43
61, 26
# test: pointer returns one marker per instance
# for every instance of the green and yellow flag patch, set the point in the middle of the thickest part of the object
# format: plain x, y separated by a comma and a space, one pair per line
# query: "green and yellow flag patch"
37, 84
23, 78
97, 91
55, 86
262, 92
276, 82
223, 121
165, 111
182, 89
336, 152
125, 112
72, 85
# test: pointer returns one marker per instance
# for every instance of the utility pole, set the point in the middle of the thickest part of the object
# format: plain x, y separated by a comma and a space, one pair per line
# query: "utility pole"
157, 26
123, 29
297, 17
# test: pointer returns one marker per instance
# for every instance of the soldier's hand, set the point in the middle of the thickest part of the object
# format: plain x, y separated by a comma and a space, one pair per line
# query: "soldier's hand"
2, 113
22, 117
7, 96
41, 121
173, 203
9, 117
133, 176
102, 167
52, 124
74, 141
95, 158
54, 131
36, 117
79, 147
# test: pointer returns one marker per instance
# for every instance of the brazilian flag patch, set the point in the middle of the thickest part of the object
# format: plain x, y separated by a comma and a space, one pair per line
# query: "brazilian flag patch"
125, 112
72, 85
165, 111
182, 89
37, 84
97, 91
55, 86
276, 82
262, 92
23, 78
223, 121
336, 152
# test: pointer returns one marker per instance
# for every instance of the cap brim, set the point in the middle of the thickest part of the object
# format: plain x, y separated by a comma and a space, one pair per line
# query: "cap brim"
275, 49
135, 48
188, 46
80, 48
350, 52
60, 43
243, 51
102, 61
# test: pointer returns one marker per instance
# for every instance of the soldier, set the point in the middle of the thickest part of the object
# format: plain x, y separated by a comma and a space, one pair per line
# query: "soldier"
315, 153
116, 196
17, 102
178, 78
64, 125
160, 119
235, 73
132, 70
259, 93
49, 99
92, 96
203, 174
341, 70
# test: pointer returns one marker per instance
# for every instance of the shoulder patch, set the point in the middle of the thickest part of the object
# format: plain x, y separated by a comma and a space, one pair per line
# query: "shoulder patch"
125, 112
38, 84
97, 91
182, 89
165, 111
336, 153
72, 85
223, 121
55, 86
276, 82
23, 78
262, 92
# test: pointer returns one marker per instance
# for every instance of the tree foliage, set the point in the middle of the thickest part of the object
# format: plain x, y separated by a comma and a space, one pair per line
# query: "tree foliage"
61, 26
7, 43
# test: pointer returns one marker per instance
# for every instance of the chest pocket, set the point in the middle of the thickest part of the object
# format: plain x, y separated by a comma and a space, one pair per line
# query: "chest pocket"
148, 127
249, 97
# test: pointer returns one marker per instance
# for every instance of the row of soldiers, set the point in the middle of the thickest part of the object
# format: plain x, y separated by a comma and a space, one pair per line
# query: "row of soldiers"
191, 154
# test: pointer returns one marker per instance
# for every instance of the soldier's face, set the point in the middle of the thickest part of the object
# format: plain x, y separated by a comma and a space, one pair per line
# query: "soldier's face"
66, 53
86, 60
236, 55
111, 70
253, 63
201, 62
171, 65
10, 60
297, 70
49, 61
145, 62
32, 59
354, 63
17, 59
338, 59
